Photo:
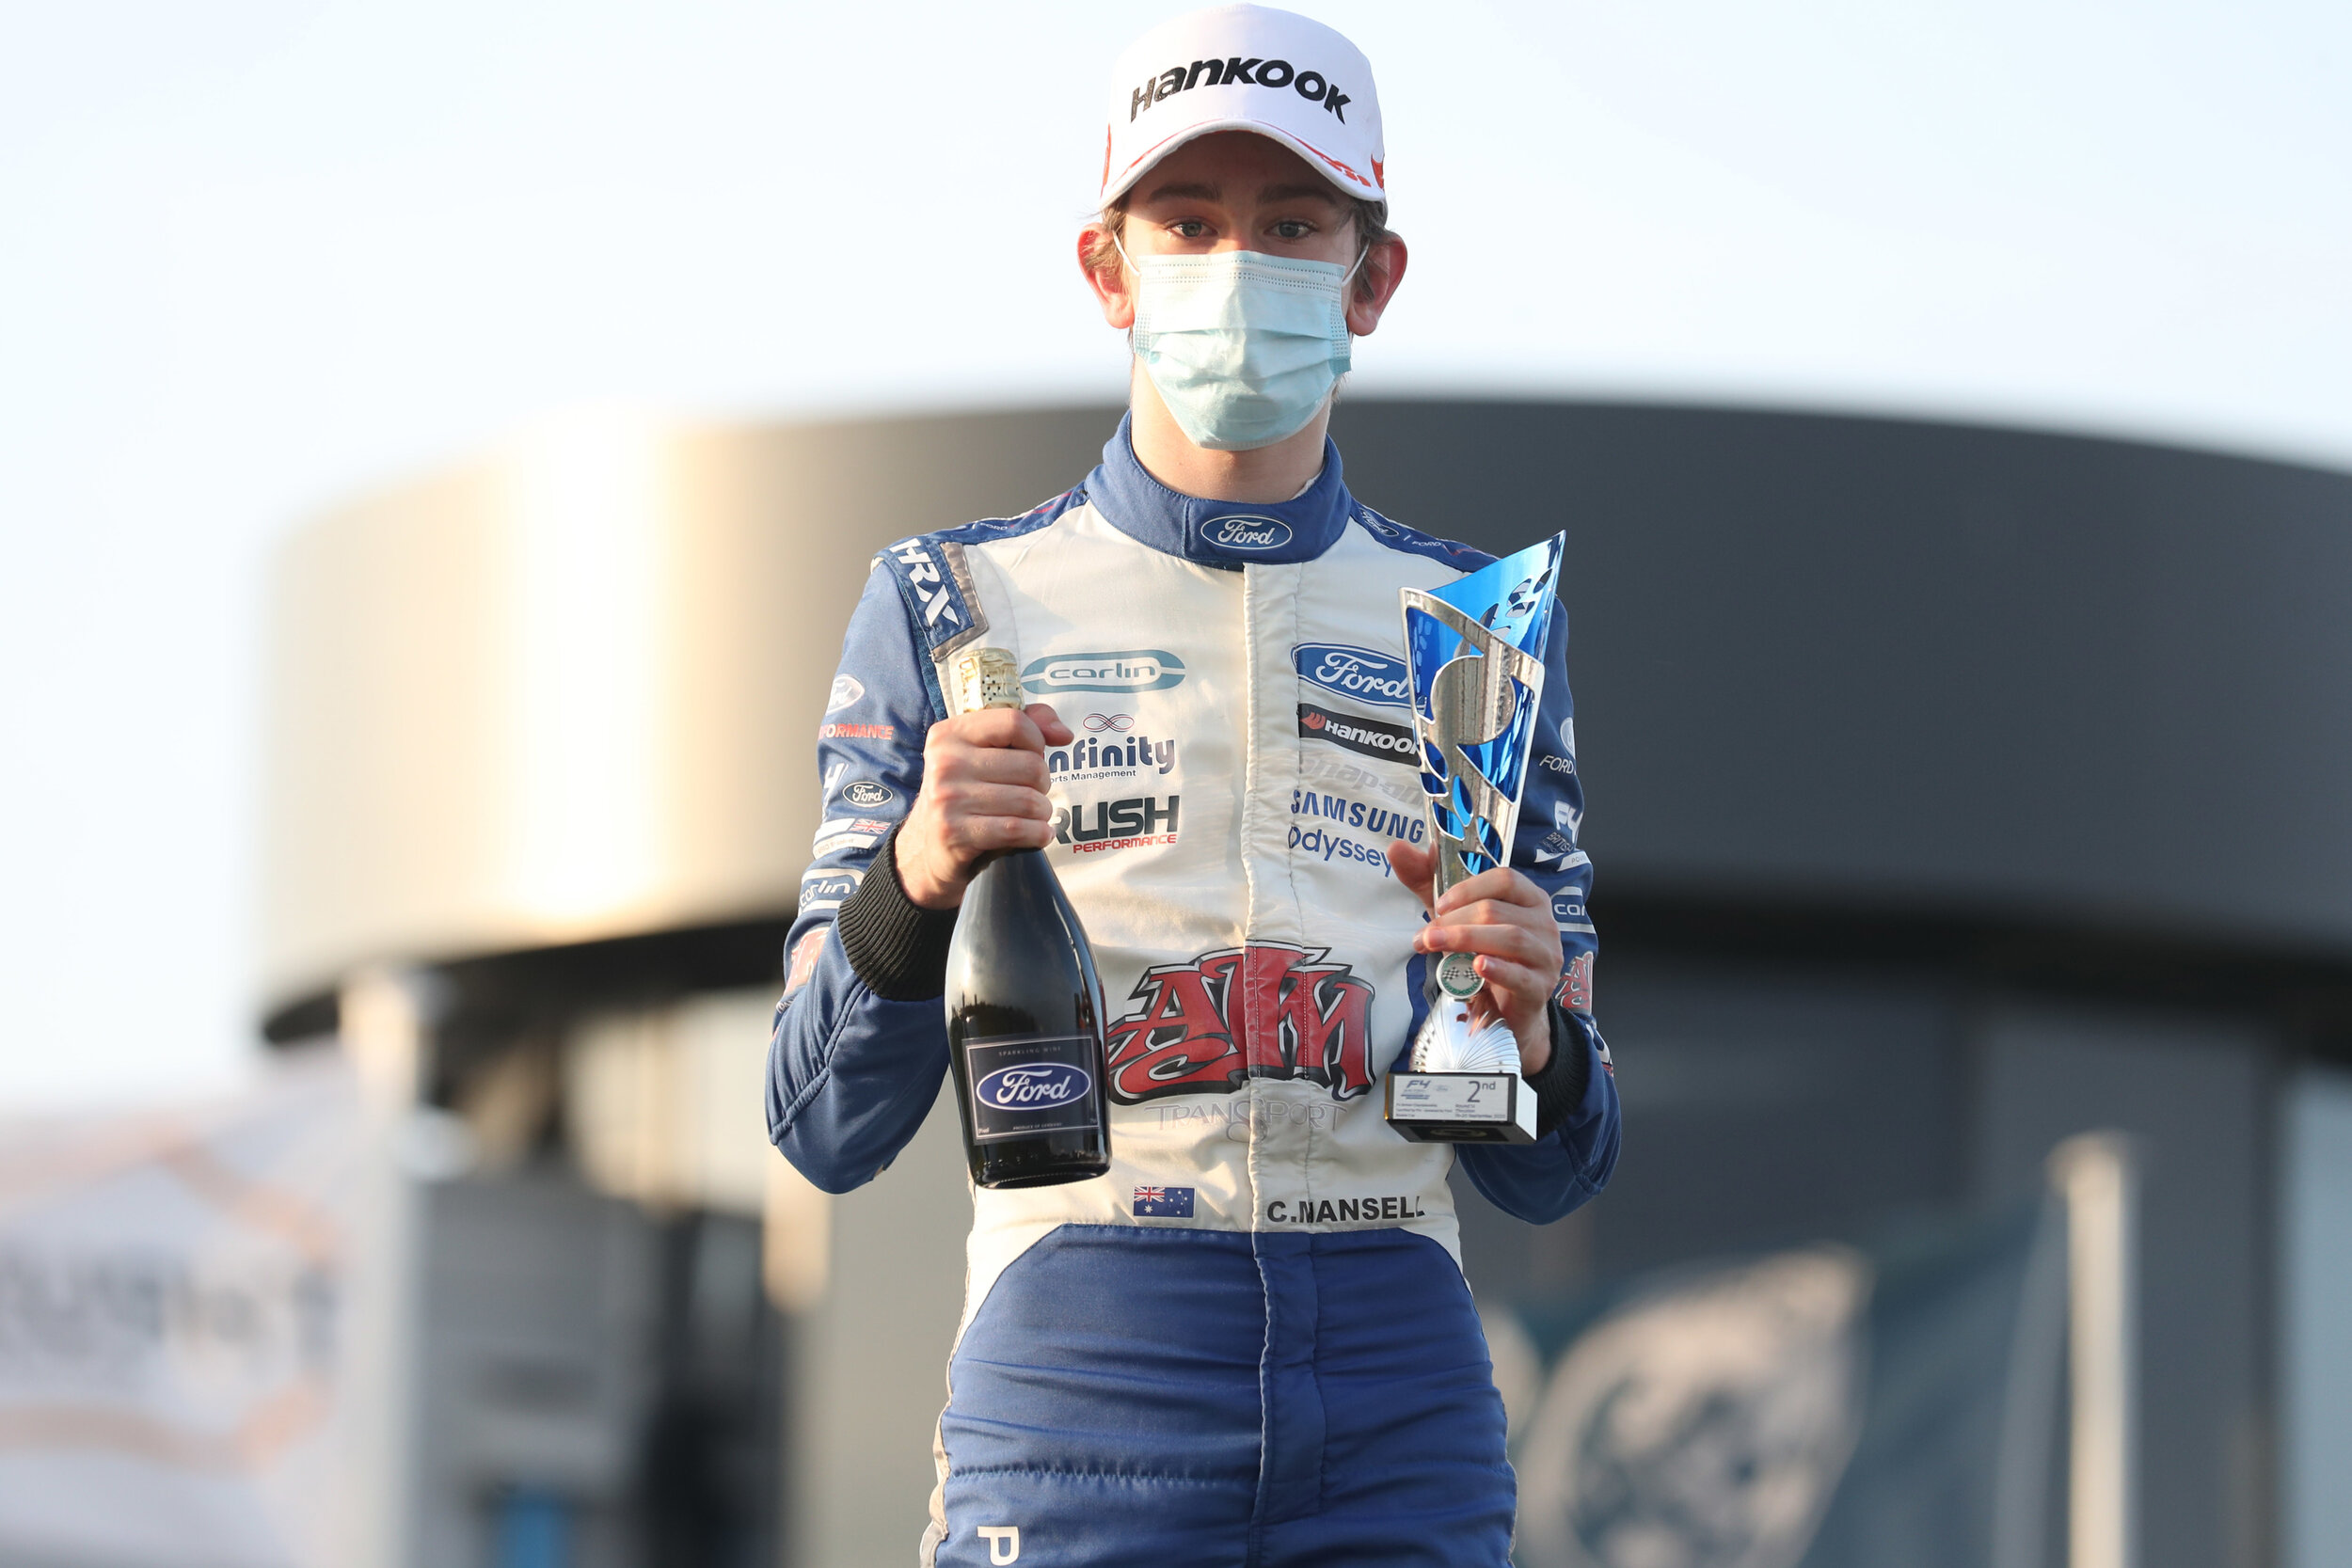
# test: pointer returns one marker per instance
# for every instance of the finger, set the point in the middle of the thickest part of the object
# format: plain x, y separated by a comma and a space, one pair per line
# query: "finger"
958, 799
995, 728
1515, 942
1049, 724
1523, 984
1496, 911
975, 836
1499, 882
989, 764
1414, 866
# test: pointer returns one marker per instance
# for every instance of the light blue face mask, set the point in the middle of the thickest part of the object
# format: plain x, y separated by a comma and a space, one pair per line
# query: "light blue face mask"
1243, 347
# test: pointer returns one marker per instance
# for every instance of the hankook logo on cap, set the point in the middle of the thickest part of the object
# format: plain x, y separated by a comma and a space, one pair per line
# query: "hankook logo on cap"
1133, 670
1247, 534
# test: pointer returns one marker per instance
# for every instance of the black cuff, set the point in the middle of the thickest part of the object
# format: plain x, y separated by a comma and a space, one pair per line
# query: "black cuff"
899, 950
1559, 1088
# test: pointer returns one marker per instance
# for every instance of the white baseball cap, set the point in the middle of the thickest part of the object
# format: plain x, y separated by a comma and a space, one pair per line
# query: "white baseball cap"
1246, 68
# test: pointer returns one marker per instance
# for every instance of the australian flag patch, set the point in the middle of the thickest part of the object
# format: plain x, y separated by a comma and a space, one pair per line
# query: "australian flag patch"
1164, 1203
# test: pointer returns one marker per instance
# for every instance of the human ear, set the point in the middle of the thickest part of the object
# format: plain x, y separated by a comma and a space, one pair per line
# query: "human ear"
1383, 270
1112, 286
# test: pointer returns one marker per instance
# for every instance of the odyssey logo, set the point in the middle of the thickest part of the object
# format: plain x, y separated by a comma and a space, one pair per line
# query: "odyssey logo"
1247, 534
1359, 672
1034, 1087
1134, 670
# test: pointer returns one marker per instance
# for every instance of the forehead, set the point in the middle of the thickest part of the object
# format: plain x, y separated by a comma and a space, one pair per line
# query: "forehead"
1234, 164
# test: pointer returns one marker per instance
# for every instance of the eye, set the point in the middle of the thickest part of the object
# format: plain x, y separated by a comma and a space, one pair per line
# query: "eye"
1293, 229
1189, 229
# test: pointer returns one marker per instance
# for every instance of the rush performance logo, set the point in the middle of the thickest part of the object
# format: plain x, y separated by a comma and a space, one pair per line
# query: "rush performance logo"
1267, 1010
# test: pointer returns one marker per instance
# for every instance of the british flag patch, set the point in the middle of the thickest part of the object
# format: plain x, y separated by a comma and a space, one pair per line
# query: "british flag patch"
1164, 1203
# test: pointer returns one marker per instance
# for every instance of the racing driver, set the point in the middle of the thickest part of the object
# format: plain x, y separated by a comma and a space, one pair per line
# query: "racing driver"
1251, 1342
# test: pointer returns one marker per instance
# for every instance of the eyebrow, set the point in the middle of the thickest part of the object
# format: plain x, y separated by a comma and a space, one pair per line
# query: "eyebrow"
1199, 191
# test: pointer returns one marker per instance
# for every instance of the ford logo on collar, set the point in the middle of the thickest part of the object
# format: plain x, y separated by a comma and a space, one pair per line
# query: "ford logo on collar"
1247, 534
1380, 679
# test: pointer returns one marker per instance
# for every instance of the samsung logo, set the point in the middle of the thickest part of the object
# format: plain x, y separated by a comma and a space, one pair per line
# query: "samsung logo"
1033, 1087
1358, 673
1134, 670
1247, 534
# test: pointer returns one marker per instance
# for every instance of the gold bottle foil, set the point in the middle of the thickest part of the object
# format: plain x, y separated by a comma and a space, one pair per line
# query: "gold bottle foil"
983, 677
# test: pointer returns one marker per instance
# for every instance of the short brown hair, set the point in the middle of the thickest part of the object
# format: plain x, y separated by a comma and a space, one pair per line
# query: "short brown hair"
1372, 229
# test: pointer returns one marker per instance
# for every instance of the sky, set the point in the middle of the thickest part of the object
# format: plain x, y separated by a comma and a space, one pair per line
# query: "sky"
257, 257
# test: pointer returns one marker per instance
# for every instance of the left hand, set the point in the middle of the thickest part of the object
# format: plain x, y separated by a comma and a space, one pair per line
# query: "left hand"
1506, 920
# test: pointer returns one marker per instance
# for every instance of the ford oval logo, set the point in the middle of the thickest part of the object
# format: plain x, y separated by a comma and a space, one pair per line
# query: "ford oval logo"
1247, 534
1380, 679
1035, 1086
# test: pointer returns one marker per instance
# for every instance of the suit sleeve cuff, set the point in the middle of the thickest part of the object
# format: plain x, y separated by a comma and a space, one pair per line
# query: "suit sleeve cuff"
1559, 1088
899, 950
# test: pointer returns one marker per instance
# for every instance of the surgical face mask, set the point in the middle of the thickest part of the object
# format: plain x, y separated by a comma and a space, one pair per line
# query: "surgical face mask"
1243, 347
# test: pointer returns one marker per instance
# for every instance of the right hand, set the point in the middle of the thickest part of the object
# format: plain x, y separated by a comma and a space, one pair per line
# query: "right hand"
983, 793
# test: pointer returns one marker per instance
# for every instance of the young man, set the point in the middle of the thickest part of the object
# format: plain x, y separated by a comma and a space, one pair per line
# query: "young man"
1250, 1342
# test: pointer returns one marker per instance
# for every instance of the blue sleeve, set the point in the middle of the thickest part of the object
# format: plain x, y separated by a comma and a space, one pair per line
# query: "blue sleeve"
851, 1075
1556, 1175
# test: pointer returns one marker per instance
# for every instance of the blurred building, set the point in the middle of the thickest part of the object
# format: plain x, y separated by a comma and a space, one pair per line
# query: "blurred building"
1953, 791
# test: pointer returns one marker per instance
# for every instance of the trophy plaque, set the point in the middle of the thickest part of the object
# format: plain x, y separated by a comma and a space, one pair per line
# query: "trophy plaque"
1476, 649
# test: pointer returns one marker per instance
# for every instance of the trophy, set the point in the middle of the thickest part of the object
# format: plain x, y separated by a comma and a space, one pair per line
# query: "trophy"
1476, 649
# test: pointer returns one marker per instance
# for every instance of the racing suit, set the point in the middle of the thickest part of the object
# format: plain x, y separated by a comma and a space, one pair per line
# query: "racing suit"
1250, 1342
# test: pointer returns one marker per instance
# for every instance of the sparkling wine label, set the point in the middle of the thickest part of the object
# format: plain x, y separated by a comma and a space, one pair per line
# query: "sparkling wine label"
1024, 1084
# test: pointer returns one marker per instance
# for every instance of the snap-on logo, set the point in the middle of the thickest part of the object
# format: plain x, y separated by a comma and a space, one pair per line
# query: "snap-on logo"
1036, 1085
1358, 673
1247, 534
1134, 670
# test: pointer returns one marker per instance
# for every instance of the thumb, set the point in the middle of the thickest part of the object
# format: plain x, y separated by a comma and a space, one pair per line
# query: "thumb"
1050, 725
1414, 867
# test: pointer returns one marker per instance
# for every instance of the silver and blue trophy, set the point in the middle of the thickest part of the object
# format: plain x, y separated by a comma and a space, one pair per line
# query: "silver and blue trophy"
1476, 648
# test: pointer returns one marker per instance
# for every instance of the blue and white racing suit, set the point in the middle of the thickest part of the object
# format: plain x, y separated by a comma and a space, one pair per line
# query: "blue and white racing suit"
1251, 1342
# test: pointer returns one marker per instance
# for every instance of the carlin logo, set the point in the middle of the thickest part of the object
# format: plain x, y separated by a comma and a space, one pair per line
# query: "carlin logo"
1247, 534
1388, 742
868, 794
824, 889
1358, 673
1136, 670
1267, 1010
846, 690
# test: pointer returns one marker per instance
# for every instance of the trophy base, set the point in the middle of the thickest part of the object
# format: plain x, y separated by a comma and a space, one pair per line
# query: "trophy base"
1461, 1107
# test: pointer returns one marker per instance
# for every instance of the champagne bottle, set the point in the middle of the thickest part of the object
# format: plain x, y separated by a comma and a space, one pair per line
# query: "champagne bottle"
1025, 1009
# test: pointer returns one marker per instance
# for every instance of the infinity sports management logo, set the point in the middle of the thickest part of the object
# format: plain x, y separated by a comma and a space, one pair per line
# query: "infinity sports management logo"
1379, 679
1135, 670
